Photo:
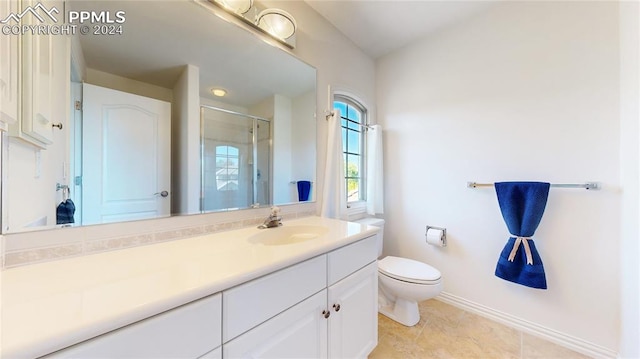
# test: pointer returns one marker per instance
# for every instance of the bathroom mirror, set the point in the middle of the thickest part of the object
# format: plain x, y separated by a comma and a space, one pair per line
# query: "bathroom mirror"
174, 52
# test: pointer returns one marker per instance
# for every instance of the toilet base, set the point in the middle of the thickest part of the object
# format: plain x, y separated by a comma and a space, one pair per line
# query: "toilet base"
402, 311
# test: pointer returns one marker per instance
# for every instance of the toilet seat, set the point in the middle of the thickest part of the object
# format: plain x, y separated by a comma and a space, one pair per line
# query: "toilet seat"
408, 270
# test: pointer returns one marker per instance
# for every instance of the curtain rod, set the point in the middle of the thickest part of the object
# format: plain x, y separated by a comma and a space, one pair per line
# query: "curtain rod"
330, 113
588, 185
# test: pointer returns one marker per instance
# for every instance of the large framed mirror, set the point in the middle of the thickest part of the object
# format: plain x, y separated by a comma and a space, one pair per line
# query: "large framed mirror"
138, 121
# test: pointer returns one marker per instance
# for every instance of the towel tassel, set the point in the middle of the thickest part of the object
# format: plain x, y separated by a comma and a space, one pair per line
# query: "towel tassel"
516, 245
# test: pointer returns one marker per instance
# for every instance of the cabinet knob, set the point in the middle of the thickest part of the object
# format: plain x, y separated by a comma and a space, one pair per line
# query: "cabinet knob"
336, 307
326, 313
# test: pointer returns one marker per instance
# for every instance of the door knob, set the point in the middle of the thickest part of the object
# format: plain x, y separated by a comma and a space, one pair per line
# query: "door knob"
162, 194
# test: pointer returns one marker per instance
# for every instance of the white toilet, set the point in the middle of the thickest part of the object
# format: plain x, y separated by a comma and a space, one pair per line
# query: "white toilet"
402, 283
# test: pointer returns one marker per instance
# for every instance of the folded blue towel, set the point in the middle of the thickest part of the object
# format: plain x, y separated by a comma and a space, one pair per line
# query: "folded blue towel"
65, 211
522, 205
304, 188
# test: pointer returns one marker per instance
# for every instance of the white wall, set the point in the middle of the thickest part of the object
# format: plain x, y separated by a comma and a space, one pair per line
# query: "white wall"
523, 91
630, 178
282, 150
115, 82
185, 142
303, 141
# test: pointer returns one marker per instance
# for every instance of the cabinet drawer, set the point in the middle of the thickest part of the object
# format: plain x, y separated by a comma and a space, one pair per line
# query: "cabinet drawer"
252, 303
350, 258
189, 331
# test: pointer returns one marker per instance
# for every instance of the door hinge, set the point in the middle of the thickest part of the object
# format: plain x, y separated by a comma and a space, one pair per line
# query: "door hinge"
78, 105
78, 180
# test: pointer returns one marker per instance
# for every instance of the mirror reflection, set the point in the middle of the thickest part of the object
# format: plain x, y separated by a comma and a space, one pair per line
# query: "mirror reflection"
236, 160
143, 134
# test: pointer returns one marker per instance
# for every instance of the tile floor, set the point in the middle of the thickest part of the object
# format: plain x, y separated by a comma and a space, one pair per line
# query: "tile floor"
445, 331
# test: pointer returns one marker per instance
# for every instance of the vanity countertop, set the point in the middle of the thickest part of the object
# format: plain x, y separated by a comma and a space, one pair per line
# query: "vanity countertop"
49, 306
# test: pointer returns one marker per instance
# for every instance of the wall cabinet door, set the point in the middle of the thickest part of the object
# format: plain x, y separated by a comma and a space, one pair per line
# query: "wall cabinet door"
37, 55
299, 332
353, 325
45, 77
9, 69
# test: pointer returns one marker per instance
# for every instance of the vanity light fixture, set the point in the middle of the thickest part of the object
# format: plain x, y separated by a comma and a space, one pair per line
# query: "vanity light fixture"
278, 23
218, 92
237, 6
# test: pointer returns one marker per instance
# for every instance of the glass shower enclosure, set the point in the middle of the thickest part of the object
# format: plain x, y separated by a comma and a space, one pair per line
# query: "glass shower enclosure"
235, 160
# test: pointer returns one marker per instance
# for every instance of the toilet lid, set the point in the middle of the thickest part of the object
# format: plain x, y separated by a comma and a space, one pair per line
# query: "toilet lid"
408, 270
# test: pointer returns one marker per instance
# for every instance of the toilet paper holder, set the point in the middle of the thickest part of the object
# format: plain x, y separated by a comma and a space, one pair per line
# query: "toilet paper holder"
444, 234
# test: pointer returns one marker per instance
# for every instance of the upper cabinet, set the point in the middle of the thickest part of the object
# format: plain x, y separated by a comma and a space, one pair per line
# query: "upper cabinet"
44, 60
9, 69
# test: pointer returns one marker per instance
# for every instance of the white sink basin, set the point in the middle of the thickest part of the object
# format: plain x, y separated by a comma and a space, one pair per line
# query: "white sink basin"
287, 235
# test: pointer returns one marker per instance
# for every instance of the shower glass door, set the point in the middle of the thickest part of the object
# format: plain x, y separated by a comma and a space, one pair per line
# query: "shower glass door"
235, 160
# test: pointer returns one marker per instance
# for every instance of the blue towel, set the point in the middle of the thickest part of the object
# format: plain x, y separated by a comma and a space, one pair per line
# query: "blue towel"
522, 205
65, 211
304, 188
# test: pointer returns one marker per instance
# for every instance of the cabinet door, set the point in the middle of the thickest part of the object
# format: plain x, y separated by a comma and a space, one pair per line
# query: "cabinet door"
9, 69
40, 80
299, 332
353, 325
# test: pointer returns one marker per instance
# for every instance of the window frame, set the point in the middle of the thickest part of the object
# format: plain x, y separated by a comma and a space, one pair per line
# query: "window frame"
359, 205
227, 168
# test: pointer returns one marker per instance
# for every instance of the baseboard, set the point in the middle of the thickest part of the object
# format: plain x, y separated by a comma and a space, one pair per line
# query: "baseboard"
567, 341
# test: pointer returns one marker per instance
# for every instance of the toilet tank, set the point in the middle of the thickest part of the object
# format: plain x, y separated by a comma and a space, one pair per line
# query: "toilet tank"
377, 222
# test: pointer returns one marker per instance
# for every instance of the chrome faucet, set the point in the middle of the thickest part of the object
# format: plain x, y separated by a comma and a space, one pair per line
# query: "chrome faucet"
274, 220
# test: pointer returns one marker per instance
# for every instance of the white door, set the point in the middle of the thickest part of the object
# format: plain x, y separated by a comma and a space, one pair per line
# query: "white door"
126, 156
298, 332
353, 325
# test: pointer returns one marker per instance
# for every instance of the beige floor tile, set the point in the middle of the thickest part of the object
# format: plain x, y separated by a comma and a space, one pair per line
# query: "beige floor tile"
493, 337
447, 332
536, 348
394, 346
391, 326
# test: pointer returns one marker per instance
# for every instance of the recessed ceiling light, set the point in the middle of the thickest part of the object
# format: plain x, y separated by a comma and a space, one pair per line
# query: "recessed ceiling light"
219, 92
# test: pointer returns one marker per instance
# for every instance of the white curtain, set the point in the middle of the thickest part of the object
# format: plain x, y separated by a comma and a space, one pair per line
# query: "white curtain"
375, 193
334, 198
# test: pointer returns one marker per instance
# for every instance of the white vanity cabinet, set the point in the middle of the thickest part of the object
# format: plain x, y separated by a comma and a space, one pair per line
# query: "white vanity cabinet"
338, 321
9, 69
189, 331
323, 307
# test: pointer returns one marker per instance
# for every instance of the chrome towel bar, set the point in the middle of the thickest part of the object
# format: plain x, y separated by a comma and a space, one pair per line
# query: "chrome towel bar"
588, 185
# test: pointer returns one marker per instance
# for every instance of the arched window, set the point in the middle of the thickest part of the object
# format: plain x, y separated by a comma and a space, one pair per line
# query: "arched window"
353, 121
227, 168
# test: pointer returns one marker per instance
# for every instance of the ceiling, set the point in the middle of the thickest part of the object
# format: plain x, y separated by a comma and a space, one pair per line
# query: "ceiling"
157, 44
379, 27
